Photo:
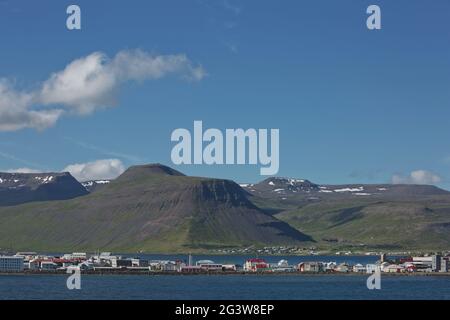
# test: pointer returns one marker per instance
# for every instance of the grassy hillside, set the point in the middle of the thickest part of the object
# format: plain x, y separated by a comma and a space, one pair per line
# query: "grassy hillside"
413, 224
149, 208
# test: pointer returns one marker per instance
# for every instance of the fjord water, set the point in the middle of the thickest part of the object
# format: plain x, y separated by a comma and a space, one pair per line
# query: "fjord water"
265, 287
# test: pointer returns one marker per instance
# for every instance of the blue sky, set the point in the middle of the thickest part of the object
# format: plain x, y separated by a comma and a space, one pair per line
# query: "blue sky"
352, 105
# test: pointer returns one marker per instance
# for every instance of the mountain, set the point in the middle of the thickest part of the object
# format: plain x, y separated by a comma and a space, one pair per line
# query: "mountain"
362, 215
154, 208
149, 208
18, 188
288, 188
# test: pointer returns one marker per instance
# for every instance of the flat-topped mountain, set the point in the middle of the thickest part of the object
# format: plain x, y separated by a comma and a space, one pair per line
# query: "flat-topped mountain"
17, 188
149, 208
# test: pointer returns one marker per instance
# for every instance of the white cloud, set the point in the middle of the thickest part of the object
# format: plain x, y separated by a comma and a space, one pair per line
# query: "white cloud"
85, 85
16, 112
96, 170
23, 170
91, 82
417, 177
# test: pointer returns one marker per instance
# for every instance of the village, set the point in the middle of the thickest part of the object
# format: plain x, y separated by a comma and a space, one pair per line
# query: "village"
106, 262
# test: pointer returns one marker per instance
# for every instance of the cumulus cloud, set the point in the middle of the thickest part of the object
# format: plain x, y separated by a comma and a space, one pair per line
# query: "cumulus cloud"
23, 170
97, 170
85, 85
16, 110
417, 177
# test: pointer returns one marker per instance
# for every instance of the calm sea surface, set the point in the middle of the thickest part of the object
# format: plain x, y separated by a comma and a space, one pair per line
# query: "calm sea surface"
270, 287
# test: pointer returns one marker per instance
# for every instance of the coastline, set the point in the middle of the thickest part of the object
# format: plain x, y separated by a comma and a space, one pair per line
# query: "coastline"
217, 274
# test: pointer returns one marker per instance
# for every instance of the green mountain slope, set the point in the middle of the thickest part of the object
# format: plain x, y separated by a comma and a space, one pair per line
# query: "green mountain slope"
413, 224
149, 208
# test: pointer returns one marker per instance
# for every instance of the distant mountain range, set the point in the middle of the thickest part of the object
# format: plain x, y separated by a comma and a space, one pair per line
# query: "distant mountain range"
154, 208
359, 215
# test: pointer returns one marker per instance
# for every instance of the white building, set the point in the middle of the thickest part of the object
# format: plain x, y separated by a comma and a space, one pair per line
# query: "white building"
372, 268
359, 268
48, 266
75, 255
209, 265
11, 264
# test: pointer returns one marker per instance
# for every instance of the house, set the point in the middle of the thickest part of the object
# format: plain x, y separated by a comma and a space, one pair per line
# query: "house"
384, 265
372, 268
34, 264
256, 265
48, 266
409, 267
342, 267
64, 263
310, 267
329, 266
359, 268
394, 268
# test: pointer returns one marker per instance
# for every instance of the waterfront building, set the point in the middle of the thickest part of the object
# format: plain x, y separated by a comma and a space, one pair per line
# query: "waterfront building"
191, 269
27, 256
256, 265
48, 266
329, 266
229, 267
136, 263
384, 265
359, 268
121, 263
394, 268
76, 255
372, 268
310, 267
410, 267
209, 265
445, 265
343, 268
64, 263
283, 264
436, 262
11, 264
168, 266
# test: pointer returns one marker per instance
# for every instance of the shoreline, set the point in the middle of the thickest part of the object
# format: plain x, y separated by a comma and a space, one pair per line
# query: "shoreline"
217, 274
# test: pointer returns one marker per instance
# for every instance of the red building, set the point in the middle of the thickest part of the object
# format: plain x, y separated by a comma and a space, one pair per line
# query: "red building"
256, 265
